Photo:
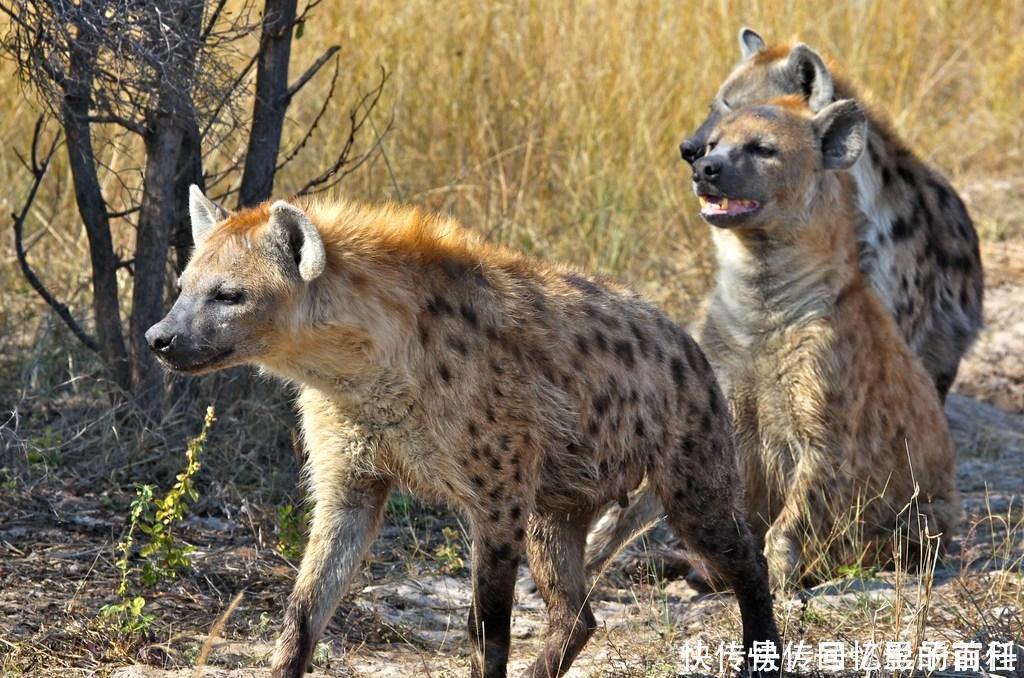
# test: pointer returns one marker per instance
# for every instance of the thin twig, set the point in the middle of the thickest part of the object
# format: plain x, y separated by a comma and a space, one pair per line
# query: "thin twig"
310, 72
38, 169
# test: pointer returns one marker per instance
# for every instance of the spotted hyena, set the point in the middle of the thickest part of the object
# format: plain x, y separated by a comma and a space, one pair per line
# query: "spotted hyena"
916, 242
841, 434
529, 396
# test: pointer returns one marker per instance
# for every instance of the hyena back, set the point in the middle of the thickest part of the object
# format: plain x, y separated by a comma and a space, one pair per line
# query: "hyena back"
529, 396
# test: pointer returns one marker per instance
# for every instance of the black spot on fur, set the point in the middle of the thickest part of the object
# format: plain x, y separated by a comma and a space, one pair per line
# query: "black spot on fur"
519, 534
641, 339
495, 515
678, 372
639, 429
515, 512
624, 350
439, 306
477, 480
600, 340
444, 373
886, 177
424, 332
905, 174
601, 403
496, 367
581, 344
583, 284
468, 314
901, 229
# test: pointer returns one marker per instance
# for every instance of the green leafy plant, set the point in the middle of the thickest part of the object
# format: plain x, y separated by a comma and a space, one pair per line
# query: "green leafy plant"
291, 530
164, 555
449, 554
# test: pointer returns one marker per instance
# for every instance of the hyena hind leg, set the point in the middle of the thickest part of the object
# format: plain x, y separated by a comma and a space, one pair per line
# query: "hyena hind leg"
710, 521
555, 549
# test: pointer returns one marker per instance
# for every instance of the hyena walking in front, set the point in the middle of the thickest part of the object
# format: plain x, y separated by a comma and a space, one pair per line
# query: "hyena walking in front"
529, 396
843, 439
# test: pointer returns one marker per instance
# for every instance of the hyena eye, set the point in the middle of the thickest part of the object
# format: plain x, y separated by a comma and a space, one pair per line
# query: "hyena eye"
225, 296
763, 150
711, 146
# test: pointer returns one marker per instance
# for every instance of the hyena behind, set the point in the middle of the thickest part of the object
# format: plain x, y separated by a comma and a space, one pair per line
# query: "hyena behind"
916, 242
528, 396
842, 436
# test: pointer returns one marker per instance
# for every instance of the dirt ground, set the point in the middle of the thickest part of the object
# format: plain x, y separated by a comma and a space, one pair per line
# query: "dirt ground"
407, 615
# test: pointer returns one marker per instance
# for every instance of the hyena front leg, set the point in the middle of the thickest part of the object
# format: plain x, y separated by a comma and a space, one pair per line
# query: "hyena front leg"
806, 518
345, 520
348, 496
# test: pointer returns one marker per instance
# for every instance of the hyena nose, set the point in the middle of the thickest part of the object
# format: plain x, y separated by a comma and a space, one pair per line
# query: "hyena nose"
707, 169
691, 149
159, 339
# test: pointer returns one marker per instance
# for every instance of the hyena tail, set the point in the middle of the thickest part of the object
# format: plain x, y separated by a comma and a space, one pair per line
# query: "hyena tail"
619, 526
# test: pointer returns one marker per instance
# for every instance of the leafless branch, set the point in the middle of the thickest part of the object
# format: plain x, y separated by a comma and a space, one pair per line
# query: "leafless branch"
38, 169
111, 119
344, 164
324, 105
310, 72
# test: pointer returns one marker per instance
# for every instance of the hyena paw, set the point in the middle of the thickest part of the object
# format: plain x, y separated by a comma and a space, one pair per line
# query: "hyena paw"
294, 646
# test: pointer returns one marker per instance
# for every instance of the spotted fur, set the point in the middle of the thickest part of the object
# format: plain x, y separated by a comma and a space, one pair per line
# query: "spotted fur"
843, 439
529, 396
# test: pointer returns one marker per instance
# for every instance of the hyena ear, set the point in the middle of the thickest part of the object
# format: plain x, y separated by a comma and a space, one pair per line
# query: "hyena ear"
298, 234
842, 128
751, 42
203, 213
809, 75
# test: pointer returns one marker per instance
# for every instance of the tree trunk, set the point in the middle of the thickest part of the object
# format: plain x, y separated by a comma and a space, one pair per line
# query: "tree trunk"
271, 101
161, 211
93, 211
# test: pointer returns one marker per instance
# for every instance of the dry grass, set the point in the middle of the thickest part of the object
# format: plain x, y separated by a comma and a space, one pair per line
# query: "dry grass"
553, 126
549, 126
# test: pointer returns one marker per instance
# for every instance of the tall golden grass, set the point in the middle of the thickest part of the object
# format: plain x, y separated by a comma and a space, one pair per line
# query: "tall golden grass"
553, 126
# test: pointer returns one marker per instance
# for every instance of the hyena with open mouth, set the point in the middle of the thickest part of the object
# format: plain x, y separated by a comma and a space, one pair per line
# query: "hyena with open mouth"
917, 245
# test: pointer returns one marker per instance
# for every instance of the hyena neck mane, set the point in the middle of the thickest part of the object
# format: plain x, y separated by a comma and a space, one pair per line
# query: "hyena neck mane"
789, 273
355, 330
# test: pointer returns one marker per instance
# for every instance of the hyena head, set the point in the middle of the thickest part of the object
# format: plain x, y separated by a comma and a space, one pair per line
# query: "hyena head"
764, 163
763, 74
243, 283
